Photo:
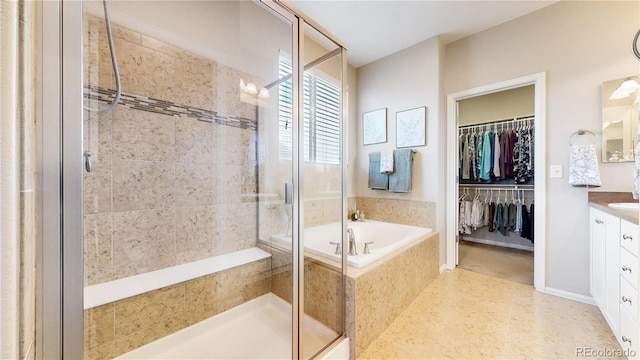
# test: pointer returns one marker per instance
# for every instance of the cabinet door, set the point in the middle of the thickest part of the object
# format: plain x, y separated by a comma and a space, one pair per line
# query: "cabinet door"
597, 275
612, 271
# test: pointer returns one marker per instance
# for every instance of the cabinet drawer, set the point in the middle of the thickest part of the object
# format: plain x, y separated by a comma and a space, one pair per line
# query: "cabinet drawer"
628, 337
628, 299
629, 267
629, 238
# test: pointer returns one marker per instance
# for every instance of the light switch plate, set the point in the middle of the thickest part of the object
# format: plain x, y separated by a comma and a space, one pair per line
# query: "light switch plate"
555, 171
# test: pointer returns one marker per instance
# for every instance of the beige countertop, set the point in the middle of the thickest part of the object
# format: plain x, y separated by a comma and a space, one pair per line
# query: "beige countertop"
600, 200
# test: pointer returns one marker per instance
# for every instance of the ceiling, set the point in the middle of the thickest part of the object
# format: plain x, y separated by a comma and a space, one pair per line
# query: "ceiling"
374, 29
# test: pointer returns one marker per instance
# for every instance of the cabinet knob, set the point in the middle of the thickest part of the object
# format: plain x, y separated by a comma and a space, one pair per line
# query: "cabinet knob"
627, 237
626, 339
626, 299
598, 221
626, 268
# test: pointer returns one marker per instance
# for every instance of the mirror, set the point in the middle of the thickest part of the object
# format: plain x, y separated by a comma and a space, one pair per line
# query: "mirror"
620, 118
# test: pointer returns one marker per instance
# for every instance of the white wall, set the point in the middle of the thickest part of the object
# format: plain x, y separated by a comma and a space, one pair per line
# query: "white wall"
579, 45
405, 80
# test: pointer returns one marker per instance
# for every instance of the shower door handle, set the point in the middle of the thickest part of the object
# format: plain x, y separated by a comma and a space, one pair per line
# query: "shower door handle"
288, 193
88, 164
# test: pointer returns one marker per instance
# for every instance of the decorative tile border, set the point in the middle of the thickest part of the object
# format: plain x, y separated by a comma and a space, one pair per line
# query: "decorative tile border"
144, 103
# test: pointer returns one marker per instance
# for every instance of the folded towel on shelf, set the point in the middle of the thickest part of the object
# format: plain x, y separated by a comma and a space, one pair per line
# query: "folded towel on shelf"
377, 181
386, 162
400, 180
583, 166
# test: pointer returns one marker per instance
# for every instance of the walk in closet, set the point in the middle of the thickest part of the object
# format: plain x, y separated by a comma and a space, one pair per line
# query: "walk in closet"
496, 183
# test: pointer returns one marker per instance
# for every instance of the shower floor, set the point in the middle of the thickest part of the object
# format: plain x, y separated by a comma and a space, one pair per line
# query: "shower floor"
257, 329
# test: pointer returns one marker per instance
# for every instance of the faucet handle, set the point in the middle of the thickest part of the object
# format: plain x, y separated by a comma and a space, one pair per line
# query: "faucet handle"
366, 247
338, 247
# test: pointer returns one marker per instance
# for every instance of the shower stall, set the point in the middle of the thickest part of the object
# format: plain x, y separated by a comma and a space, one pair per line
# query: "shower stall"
220, 128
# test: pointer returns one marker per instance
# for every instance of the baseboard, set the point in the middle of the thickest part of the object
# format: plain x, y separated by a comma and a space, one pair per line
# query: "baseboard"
569, 295
443, 268
499, 243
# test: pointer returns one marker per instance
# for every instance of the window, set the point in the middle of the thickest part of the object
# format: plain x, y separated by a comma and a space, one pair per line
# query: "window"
321, 118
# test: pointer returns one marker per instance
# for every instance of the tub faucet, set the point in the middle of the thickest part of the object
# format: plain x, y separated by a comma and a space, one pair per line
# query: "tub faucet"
352, 242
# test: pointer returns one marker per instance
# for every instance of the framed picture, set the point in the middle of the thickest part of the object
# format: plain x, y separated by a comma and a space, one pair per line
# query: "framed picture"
374, 127
411, 127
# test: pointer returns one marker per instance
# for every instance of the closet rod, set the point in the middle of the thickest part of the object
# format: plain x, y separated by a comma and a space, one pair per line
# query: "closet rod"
510, 186
497, 188
498, 122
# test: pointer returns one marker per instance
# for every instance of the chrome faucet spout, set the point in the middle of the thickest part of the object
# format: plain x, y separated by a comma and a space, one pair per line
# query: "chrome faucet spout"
352, 242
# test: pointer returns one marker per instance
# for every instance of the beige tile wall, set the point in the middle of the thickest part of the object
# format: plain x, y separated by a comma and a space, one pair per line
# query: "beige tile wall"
377, 296
166, 190
121, 326
406, 212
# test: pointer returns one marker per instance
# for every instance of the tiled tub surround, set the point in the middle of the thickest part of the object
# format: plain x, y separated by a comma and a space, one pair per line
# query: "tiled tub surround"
171, 163
406, 212
376, 294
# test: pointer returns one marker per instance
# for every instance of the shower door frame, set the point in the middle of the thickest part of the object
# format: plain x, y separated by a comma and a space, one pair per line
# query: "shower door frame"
60, 313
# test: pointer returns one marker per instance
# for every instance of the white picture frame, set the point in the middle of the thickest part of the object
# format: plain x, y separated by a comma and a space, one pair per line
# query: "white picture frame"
411, 127
374, 127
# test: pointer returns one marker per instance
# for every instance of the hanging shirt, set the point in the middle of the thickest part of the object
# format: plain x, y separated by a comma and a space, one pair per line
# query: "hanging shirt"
518, 218
496, 156
471, 142
492, 209
464, 156
526, 224
486, 157
478, 155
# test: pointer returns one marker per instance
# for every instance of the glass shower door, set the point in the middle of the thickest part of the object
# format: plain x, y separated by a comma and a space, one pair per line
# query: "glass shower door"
180, 177
322, 194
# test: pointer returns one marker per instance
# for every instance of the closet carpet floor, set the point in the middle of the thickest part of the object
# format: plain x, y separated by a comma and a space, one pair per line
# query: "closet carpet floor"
466, 315
505, 263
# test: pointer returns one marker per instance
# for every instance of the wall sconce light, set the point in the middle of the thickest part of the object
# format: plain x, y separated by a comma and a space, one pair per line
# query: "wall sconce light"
628, 87
251, 88
264, 93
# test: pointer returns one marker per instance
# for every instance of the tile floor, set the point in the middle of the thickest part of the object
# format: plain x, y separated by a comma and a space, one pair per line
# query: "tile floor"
467, 315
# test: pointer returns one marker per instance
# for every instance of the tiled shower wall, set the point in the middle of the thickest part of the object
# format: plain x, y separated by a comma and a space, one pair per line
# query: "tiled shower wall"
173, 165
167, 187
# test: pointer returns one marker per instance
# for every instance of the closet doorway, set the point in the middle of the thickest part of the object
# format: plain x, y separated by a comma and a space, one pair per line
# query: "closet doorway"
495, 173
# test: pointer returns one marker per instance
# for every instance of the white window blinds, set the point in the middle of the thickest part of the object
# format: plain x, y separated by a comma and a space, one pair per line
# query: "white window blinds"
321, 118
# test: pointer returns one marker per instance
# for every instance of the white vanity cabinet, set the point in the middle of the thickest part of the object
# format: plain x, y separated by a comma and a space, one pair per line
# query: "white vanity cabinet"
614, 275
605, 274
628, 336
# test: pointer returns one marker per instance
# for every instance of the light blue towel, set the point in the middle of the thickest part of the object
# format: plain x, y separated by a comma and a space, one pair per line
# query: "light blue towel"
400, 180
377, 181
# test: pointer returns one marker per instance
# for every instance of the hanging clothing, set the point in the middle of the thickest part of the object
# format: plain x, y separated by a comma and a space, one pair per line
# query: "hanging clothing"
526, 223
472, 156
476, 214
485, 168
518, 218
496, 155
512, 217
464, 149
504, 228
531, 212
523, 157
492, 209
478, 155
486, 212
